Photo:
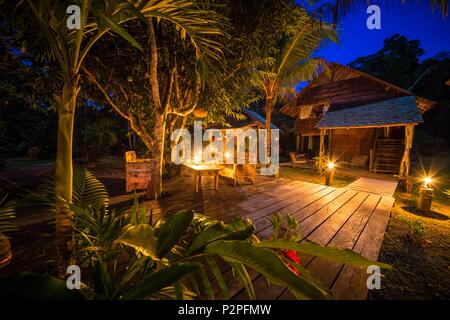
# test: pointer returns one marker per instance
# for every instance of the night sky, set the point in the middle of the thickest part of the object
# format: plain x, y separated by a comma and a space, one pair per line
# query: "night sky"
415, 21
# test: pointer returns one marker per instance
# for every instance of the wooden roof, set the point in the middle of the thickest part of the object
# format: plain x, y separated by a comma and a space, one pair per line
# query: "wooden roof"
344, 87
396, 111
253, 119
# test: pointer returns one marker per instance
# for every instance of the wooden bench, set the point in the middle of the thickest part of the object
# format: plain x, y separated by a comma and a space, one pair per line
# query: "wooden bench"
357, 161
297, 159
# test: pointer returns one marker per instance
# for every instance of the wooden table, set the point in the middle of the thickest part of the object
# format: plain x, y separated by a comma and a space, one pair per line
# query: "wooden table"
204, 170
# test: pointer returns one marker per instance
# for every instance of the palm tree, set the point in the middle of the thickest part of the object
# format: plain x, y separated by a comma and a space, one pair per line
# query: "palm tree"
292, 62
49, 37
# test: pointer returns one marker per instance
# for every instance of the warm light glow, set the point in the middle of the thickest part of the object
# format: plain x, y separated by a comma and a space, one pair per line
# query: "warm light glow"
427, 181
197, 158
227, 155
330, 165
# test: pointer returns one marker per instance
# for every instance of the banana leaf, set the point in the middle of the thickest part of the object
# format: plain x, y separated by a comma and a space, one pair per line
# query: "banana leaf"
346, 256
270, 265
158, 280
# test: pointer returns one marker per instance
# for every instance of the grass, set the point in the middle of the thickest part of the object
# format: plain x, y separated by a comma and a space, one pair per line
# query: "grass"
21, 163
312, 176
417, 245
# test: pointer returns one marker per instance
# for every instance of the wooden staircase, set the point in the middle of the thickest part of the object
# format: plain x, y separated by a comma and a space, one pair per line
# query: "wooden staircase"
388, 155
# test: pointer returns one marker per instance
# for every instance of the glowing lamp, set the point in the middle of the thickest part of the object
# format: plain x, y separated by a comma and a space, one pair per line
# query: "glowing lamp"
329, 175
427, 181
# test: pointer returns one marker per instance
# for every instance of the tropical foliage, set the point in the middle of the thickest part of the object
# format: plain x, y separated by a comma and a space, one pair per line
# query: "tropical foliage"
7, 213
292, 60
128, 255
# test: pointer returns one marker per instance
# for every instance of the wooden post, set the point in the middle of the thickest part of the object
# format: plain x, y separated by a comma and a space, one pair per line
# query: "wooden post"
405, 163
302, 144
297, 144
329, 144
321, 150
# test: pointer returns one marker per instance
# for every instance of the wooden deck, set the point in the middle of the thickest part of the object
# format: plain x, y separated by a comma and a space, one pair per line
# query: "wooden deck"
377, 186
342, 218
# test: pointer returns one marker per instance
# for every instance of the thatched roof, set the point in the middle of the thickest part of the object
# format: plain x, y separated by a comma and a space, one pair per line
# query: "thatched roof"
396, 111
344, 87
256, 117
253, 119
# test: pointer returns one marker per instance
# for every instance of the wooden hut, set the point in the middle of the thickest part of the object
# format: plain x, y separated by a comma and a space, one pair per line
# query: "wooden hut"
350, 116
242, 173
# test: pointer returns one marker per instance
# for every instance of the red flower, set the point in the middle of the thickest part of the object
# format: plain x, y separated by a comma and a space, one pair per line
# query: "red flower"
293, 256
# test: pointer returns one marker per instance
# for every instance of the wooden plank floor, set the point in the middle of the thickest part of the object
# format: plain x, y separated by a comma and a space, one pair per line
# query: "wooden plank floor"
338, 217
379, 186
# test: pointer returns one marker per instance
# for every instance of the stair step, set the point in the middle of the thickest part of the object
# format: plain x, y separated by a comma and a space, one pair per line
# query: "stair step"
385, 171
389, 140
389, 152
391, 155
389, 144
398, 160
387, 166
389, 147
388, 158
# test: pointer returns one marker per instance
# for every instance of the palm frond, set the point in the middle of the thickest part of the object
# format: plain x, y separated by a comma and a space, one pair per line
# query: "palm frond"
299, 48
303, 71
87, 191
7, 214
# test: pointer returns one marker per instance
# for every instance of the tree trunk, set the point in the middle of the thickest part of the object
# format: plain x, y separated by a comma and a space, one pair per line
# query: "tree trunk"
269, 125
63, 177
158, 156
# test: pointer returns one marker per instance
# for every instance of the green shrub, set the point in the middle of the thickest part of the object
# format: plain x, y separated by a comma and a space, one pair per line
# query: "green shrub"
416, 231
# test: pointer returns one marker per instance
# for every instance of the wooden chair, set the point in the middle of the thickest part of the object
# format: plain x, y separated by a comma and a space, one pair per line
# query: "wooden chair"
297, 159
359, 161
137, 172
130, 156
239, 173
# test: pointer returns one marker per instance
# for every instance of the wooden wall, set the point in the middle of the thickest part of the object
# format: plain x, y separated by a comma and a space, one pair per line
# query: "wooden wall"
306, 126
346, 143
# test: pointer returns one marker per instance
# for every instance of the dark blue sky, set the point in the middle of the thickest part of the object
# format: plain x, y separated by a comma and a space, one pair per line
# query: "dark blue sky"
415, 21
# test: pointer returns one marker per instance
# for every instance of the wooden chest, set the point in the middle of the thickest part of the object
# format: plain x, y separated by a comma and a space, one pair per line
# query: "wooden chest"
138, 175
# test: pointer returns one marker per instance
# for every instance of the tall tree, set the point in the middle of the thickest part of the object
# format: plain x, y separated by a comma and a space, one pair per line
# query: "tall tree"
68, 49
292, 60
397, 62
160, 85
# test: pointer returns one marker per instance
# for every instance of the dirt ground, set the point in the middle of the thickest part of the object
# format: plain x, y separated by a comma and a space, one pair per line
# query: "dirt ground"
421, 264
